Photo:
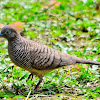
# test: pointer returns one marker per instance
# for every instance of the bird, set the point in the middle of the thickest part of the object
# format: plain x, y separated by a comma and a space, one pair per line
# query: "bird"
37, 58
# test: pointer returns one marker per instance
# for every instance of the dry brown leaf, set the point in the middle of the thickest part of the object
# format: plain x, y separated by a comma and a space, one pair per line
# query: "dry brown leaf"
1, 26
18, 25
52, 4
78, 67
98, 6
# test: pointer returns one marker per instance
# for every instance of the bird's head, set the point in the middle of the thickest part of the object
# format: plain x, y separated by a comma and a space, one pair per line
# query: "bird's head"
12, 30
9, 32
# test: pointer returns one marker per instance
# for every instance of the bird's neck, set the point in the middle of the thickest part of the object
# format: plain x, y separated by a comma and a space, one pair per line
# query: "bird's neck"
16, 41
17, 38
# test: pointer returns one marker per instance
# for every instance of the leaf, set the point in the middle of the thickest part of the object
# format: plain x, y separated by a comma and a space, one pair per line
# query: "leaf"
1, 26
18, 25
52, 4
78, 67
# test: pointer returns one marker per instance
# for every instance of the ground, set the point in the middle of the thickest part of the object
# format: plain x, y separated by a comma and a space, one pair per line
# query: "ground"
72, 26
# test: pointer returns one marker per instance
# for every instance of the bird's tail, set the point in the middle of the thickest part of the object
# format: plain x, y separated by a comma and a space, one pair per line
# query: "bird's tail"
85, 61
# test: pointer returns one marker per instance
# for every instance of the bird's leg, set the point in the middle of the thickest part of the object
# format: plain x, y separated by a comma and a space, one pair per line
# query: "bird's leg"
30, 76
36, 87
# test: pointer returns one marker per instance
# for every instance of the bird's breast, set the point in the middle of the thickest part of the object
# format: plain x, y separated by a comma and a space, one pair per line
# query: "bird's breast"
19, 55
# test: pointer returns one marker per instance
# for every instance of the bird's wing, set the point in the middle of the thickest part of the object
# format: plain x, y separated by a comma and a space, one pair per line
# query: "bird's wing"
44, 57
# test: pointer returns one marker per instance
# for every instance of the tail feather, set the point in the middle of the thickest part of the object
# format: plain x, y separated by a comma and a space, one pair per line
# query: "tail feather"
85, 61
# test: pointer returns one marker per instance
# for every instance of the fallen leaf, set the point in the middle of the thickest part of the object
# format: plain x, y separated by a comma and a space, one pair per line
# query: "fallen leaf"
52, 4
1, 26
78, 67
18, 25
98, 6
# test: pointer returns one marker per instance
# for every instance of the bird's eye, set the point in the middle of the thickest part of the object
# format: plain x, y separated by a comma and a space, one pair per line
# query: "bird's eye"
7, 32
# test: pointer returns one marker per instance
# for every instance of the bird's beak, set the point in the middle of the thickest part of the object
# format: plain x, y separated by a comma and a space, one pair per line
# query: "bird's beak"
1, 35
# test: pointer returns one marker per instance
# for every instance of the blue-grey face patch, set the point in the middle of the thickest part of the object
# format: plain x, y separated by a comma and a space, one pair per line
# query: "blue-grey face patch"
0, 34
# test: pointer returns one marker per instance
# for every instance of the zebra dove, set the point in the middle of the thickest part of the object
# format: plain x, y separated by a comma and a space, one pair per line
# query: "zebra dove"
35, 57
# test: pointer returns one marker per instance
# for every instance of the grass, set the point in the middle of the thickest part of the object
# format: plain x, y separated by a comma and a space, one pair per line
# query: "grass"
72, 26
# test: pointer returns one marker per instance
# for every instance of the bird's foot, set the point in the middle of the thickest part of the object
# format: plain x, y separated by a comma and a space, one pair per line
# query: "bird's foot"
30, 76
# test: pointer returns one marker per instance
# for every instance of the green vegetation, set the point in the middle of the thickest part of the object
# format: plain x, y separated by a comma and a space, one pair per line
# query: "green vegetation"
72, 26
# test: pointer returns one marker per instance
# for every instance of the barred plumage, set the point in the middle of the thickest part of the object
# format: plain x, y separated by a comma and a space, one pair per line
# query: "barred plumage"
36, 57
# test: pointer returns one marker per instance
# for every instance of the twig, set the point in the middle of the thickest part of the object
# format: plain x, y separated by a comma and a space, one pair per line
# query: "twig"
3, 70
28, 95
